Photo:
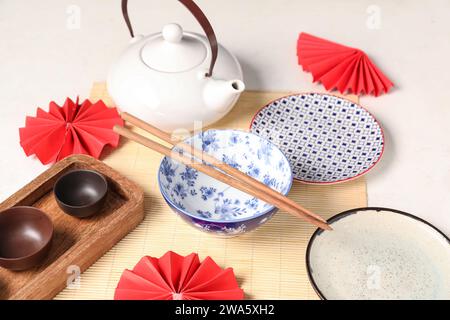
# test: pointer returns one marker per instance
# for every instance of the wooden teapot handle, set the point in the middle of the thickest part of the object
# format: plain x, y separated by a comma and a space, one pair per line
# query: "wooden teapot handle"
201, 18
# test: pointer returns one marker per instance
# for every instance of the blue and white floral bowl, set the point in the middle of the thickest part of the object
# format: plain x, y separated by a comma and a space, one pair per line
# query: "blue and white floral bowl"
213, 206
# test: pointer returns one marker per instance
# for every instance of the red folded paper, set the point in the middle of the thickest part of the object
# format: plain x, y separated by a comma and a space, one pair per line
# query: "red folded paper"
174, 277
346, 69
71, 129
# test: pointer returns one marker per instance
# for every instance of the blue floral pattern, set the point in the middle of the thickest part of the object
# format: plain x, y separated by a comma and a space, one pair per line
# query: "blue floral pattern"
167, 170
197, 196
207, 193
189, 176
209, 141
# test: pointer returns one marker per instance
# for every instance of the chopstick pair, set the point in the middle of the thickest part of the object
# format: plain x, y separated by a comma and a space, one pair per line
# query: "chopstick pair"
233, 177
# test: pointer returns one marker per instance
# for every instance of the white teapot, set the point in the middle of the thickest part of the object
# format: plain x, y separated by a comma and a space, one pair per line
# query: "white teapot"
167, 78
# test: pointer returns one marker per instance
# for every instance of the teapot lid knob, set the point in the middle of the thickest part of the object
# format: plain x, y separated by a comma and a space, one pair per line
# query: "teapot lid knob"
172, 32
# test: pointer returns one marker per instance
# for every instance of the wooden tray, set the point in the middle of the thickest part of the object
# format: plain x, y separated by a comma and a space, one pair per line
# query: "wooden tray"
77, 243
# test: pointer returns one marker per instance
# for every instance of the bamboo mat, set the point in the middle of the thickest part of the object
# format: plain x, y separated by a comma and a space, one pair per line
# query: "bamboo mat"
269, 263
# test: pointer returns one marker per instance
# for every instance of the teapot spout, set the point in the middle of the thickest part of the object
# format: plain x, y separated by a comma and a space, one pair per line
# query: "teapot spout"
220, 95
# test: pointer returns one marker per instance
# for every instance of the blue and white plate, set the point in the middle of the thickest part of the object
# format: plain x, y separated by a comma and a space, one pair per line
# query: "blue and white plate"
327, 139
213, 206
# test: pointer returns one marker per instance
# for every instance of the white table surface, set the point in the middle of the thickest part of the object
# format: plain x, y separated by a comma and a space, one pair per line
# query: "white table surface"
45, 54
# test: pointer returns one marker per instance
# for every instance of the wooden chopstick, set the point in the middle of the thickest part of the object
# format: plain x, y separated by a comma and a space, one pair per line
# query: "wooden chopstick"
219, 164
252, 188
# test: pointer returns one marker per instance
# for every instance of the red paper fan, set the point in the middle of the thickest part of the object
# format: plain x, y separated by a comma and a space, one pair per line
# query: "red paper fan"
174, 277
71, 129
340, 67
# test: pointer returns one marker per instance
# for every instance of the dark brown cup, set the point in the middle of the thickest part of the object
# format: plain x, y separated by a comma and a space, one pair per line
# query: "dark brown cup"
81, 193
25, 237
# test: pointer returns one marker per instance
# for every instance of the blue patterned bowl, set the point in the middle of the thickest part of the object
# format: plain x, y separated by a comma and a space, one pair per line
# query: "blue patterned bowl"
213, 206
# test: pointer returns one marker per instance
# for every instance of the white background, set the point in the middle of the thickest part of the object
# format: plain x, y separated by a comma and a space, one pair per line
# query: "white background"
44, 56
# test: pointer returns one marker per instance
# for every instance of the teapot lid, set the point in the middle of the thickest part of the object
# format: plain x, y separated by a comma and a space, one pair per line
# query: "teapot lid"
173, 51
